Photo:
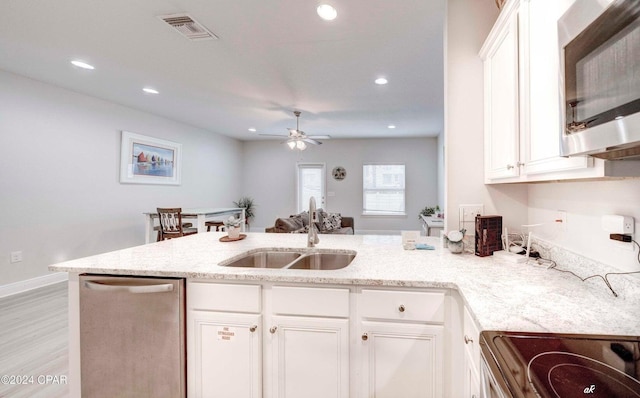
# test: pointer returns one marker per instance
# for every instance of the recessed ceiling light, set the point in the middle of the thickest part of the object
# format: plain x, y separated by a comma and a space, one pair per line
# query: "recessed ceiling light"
252, 130
150, 90
391, 126
327, 12
81, 64
381, 81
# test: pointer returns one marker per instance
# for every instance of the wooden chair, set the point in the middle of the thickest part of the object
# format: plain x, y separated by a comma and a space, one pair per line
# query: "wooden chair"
171, 225
159, 232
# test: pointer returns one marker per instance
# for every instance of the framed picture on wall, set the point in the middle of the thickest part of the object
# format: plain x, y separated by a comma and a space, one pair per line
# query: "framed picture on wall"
149, 160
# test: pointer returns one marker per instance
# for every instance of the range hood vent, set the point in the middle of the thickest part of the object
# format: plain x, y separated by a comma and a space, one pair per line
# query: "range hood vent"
188, 27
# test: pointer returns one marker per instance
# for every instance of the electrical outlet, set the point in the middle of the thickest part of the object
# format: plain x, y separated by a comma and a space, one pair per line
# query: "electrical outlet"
628, 225
468, 213
561, 220
16, 257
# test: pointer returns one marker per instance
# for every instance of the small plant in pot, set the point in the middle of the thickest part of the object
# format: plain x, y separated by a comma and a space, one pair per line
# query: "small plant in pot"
232, 226
429, 211
248, 205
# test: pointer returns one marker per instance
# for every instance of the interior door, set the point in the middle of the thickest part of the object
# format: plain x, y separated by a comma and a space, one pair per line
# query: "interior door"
311, 181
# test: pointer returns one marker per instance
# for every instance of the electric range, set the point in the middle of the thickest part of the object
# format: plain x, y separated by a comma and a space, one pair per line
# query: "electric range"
523, 365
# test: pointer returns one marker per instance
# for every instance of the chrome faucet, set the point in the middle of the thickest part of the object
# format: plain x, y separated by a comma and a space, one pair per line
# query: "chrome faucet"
312, 238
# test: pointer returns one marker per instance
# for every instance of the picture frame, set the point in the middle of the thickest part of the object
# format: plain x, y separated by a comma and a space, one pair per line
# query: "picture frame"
149, 160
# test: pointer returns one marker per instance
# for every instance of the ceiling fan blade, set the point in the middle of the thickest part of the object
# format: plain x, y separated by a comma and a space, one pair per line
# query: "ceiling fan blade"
310, 141
273, 135
319, 137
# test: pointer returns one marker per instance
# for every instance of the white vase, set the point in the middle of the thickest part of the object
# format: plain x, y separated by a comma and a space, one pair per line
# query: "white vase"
233, 232
456, 247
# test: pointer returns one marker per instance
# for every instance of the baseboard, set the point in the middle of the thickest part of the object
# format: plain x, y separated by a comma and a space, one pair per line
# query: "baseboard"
33, 283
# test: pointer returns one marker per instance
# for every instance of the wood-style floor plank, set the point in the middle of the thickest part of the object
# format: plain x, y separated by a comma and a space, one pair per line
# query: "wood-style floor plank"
34, 343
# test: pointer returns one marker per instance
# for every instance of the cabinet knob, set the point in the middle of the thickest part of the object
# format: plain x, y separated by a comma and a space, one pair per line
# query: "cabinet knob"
467, 339
510, 166
520, 164
253, 328
365, 337
401, 308
273, 329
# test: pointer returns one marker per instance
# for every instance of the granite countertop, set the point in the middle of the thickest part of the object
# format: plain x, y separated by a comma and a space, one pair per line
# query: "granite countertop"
501, 295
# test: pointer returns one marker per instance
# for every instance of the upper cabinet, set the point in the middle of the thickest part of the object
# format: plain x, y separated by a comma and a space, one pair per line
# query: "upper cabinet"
521, 98
501, 110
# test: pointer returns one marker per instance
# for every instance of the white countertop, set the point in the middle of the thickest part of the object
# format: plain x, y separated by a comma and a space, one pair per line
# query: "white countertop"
501, 295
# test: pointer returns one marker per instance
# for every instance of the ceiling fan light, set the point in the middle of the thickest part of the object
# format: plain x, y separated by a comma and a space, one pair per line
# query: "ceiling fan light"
292, 144
301, 145
327, 12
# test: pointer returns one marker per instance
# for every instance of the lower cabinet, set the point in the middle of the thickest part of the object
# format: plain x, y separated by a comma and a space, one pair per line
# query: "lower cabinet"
471, 379
310, 357
225, 355
401, 343
401, 360
266, 340
471, 340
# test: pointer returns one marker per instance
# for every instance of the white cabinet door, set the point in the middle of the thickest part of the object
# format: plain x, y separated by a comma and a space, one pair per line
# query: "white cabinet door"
401, 360
225, 355
310, 357
471, 379
501, 129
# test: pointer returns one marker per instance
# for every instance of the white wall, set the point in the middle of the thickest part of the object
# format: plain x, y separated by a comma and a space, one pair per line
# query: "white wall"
585, 204
59, 175
270, 178
468, 24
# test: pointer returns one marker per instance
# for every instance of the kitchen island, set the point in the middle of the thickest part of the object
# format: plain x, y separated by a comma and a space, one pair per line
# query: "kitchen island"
497, 295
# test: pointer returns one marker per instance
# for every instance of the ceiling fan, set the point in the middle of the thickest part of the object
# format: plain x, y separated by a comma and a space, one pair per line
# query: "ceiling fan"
297, 139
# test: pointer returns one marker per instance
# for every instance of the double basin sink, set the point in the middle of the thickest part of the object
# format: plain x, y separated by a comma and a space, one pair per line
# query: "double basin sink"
313, 259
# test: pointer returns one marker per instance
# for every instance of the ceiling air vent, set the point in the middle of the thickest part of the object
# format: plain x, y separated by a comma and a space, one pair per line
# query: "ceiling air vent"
188, 27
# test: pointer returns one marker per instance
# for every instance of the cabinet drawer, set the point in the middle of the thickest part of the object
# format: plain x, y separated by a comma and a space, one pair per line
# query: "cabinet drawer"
402, 305
224, 297
471, 338
289, 300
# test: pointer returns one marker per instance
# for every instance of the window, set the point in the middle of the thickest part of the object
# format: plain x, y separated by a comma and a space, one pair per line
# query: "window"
310, 183
383, 189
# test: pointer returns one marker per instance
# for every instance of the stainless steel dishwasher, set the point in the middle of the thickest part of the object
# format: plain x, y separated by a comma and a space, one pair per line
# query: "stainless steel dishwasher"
132, 337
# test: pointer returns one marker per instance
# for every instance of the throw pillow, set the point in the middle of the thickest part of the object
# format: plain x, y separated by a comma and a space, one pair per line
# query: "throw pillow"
331, 221
288, 224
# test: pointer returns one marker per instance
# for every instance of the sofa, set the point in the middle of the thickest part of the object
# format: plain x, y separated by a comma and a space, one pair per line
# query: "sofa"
329, 223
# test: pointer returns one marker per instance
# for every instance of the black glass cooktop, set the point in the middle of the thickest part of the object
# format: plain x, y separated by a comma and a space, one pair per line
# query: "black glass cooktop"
564, 365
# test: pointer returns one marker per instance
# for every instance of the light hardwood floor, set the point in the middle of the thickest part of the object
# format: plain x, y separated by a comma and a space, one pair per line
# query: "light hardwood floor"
34, 343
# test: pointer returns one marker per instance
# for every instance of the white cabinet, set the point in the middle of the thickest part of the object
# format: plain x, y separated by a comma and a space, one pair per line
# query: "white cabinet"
227, 359
224, 340
269, 340
521, 99
471, 338
401, 343
310, 357
501, 104
309, 342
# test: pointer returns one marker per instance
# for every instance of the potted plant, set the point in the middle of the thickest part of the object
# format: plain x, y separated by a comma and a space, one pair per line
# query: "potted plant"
429, 211
232, 226
248, 205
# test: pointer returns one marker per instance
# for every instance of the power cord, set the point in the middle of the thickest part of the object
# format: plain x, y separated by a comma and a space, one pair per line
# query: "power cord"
605, 278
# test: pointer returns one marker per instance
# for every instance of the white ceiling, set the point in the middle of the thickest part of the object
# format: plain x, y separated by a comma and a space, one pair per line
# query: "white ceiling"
272, 56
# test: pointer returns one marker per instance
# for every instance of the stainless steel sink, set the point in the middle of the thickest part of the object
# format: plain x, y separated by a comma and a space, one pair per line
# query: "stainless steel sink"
322, 261
264, 259
314, 259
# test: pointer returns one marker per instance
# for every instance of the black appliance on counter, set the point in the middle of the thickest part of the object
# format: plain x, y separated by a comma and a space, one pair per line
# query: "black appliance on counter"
523, 365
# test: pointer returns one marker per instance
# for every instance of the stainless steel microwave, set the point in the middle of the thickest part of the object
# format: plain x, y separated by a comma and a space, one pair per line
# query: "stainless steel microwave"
599, 43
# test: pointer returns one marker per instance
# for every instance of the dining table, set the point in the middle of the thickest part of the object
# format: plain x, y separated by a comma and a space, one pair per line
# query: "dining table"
200, 214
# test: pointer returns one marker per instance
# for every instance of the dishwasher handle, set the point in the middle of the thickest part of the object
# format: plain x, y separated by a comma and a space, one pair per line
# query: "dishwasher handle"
136, 289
